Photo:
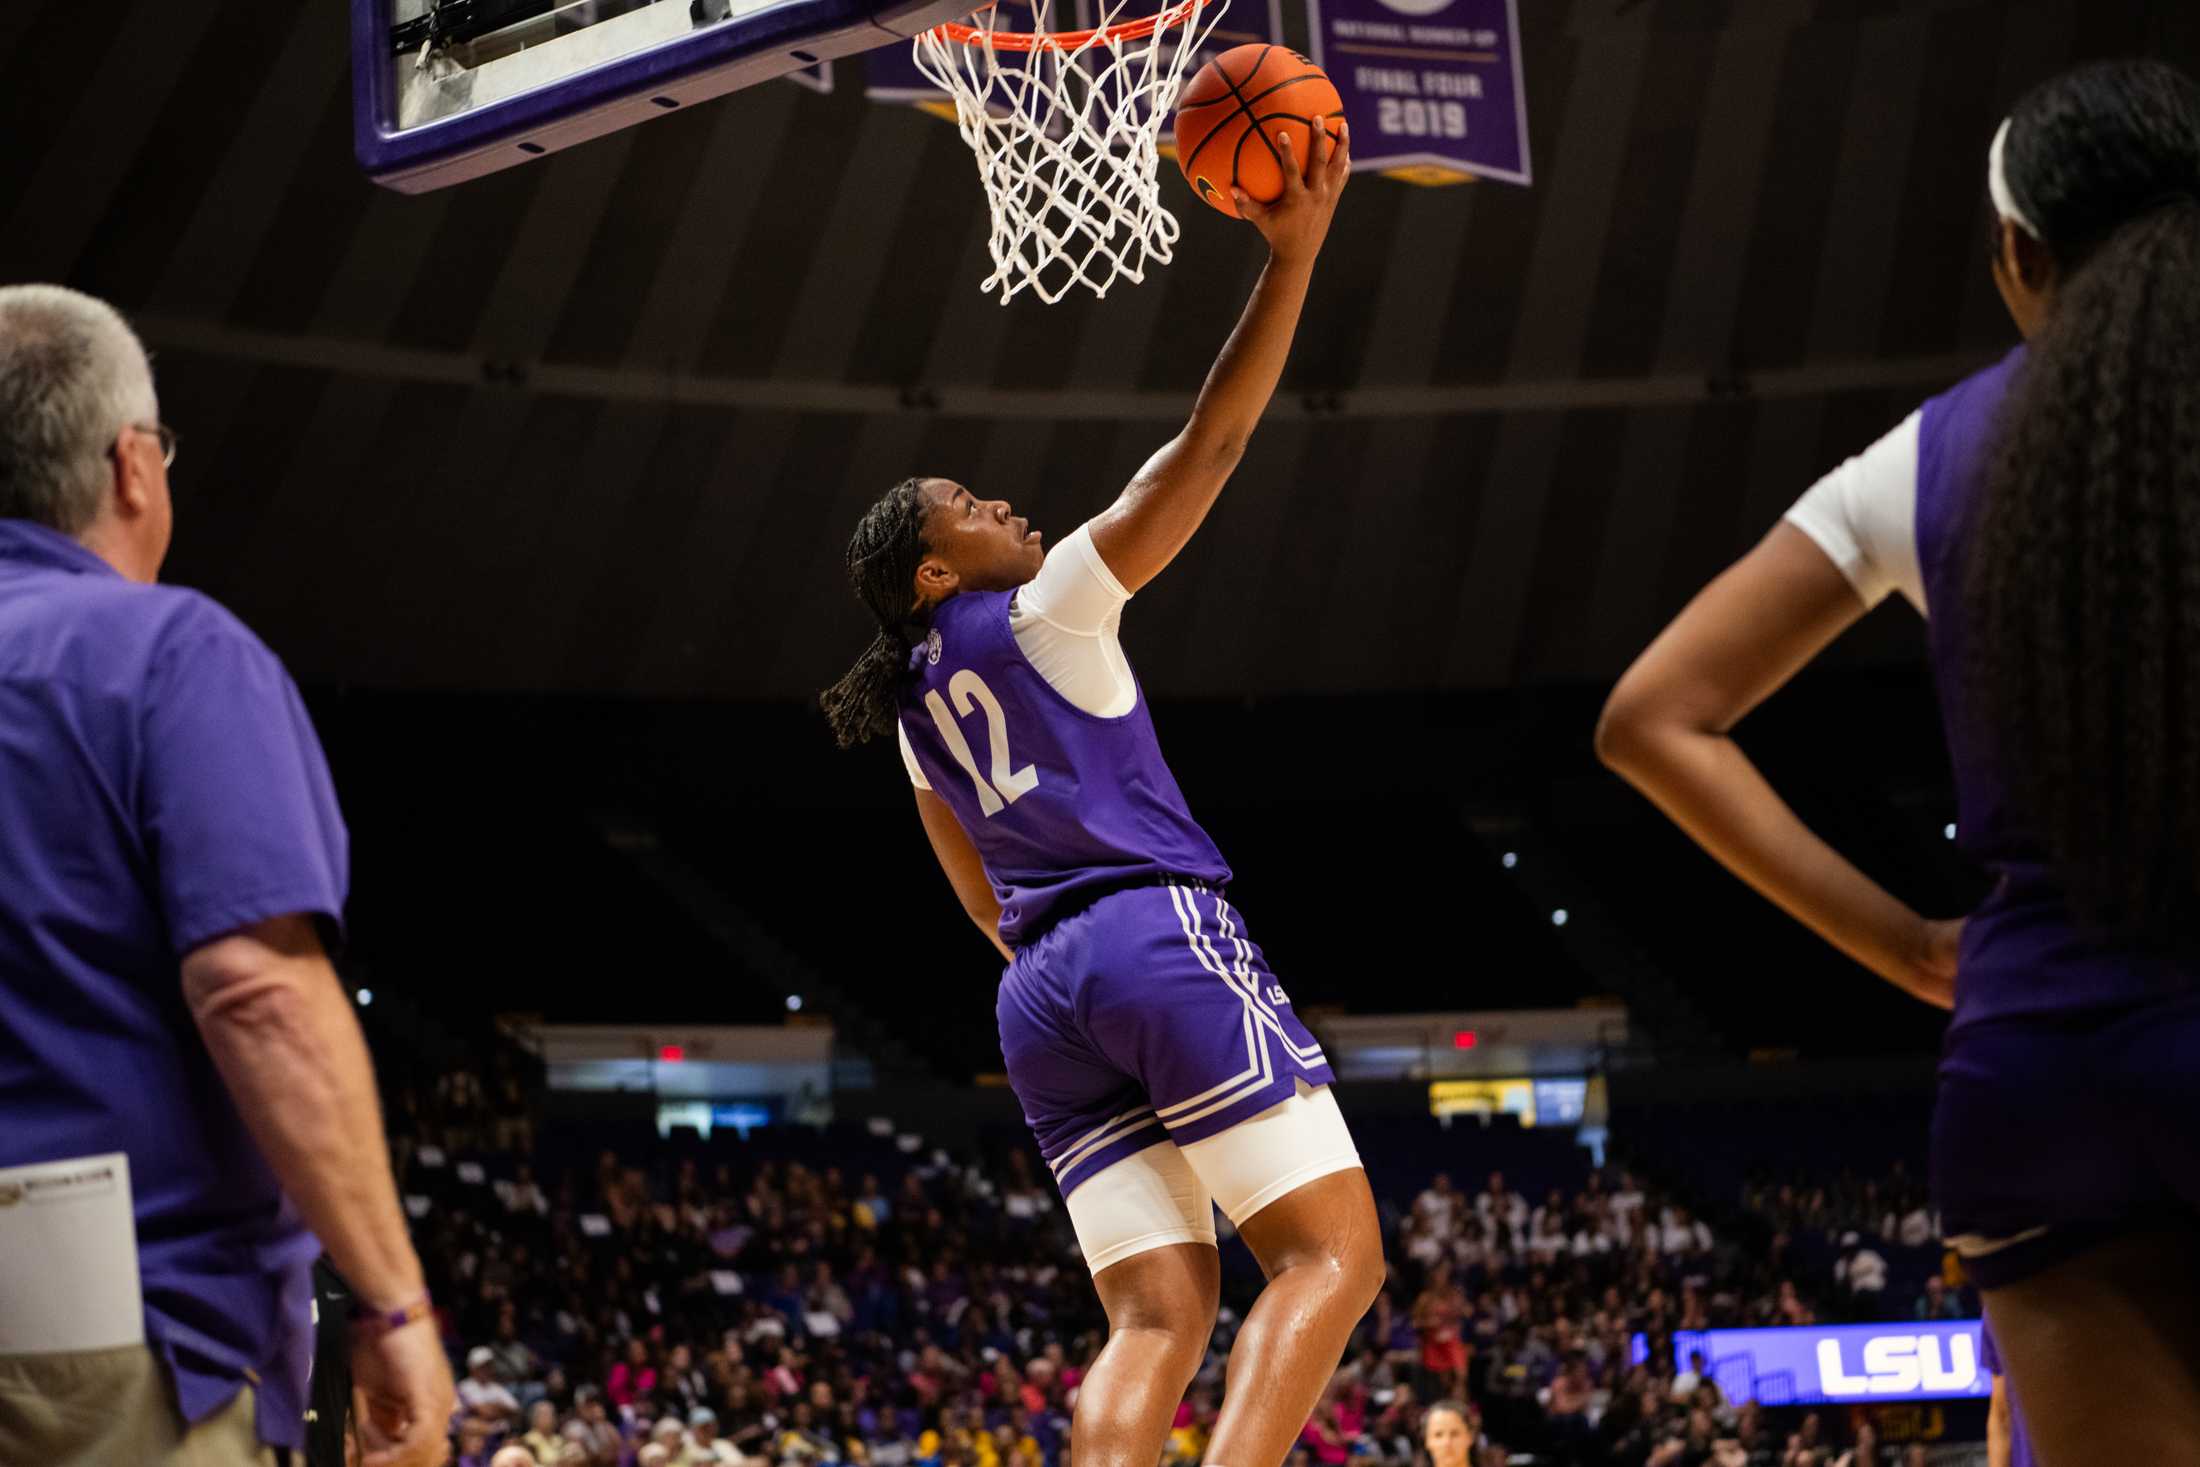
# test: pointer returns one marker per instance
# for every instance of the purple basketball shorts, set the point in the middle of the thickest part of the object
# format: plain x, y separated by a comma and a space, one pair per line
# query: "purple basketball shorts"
1148, 1016
2053, 1134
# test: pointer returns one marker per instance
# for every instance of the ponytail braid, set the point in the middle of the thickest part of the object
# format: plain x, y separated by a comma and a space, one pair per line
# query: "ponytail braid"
883, 556
2083, 588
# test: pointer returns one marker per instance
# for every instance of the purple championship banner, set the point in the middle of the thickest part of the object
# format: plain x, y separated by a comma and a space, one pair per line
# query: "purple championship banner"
1867, 1364
1432, 88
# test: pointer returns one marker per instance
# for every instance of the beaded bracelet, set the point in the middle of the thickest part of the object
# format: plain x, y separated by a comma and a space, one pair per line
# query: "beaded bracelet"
387, 1320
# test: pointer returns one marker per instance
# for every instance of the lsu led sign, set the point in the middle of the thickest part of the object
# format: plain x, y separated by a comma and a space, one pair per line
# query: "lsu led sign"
1816, 1365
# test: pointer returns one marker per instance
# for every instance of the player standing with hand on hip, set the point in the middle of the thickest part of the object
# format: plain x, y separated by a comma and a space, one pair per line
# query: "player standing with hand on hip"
1157, 1060
2046, 514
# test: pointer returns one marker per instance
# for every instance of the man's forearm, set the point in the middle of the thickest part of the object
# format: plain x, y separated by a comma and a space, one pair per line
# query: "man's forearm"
1251, 363
289, 1048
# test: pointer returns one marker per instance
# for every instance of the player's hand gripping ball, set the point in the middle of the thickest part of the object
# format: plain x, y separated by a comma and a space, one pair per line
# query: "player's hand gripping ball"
1232, 115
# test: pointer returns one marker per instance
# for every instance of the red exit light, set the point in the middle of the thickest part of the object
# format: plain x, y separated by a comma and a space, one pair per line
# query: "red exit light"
672, 1052
1465, 1039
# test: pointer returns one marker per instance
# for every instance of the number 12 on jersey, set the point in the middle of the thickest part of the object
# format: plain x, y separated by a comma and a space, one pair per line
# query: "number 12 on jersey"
1009, 785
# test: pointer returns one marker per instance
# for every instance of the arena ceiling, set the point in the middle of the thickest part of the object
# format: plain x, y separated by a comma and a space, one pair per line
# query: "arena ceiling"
600, 424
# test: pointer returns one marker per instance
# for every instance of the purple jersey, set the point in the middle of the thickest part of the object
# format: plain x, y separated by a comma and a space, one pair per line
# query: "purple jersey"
1063, 806
2022, 953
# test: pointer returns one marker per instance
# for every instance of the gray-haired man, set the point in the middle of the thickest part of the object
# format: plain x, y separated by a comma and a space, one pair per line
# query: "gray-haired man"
189, 1100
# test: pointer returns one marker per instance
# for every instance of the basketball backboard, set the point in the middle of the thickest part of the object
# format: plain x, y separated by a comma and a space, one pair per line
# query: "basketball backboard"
446, 90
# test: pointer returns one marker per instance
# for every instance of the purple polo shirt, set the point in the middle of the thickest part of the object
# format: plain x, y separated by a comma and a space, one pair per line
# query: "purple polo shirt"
160, 786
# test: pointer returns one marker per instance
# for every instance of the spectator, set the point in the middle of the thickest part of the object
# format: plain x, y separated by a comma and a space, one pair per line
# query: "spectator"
1567, 1406
1446, 1436
1503, 1211
1439, 1205
597, 1435
484, 1396
167, 826
1626, 1206
472, 1448
682, 1383
1683, 1234
705, 1447
1806, 1447
1547, 1237
1861, 1270
633, 1378
512, 1456
1686, 1384
515, 1361
1918, 1225
1864, 1452
1936, 1303
1437, 1315
542, 1440
1422, 1243
1595, 1233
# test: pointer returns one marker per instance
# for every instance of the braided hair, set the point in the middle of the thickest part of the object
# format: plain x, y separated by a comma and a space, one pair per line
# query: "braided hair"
883, 556
2083, 586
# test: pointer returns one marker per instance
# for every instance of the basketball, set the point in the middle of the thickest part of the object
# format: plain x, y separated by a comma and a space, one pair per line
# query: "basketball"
1271, 88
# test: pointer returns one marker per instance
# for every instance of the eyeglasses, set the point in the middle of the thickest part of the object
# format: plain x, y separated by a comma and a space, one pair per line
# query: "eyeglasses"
168, 440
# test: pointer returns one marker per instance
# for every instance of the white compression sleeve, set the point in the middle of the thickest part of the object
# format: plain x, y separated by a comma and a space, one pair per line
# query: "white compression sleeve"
1066, 621
1863, 515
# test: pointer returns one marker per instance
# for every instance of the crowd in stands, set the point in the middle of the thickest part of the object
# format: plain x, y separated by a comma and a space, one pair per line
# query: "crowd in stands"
829, 1305
1874, 1242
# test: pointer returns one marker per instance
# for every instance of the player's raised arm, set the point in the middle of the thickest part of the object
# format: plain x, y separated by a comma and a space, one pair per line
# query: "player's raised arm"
1165, 503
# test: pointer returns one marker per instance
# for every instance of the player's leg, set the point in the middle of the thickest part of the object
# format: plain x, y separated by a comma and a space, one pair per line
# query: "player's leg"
1160, 1305
2076, 1209
1146, 1227
1290, 1179
1181, 998
2104, 1351
1144, 1221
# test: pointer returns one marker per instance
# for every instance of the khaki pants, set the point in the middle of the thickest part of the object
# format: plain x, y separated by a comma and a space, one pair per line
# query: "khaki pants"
115, 1408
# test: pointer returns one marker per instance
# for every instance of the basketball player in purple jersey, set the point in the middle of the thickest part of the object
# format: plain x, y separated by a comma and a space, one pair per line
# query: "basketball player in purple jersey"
1157, 1059
2046, 514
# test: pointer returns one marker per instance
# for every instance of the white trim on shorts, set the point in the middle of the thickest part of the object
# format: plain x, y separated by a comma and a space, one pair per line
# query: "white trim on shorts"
1978, 1245
1166, 1194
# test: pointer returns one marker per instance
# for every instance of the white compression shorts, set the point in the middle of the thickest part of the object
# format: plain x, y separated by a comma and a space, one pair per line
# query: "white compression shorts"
1167, 1194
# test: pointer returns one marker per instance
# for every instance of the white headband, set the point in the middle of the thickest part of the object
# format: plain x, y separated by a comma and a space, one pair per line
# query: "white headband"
1997, 181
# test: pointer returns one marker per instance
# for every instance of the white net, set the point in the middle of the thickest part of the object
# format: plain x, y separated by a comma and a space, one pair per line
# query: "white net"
1066, 127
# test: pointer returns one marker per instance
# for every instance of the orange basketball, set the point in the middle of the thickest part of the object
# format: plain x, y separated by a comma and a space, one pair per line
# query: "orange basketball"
1234, 110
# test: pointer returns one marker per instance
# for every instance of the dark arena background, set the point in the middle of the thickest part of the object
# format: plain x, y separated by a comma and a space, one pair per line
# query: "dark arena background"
540, 487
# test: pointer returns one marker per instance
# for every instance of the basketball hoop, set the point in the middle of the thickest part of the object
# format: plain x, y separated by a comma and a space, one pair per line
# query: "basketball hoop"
1066, 126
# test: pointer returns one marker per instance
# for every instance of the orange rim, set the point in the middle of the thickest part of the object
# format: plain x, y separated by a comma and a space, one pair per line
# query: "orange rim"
1130, 30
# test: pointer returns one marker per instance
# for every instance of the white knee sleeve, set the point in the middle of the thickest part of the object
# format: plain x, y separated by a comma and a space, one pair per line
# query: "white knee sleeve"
1275, 1153
1167, 1194
1149, 1199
